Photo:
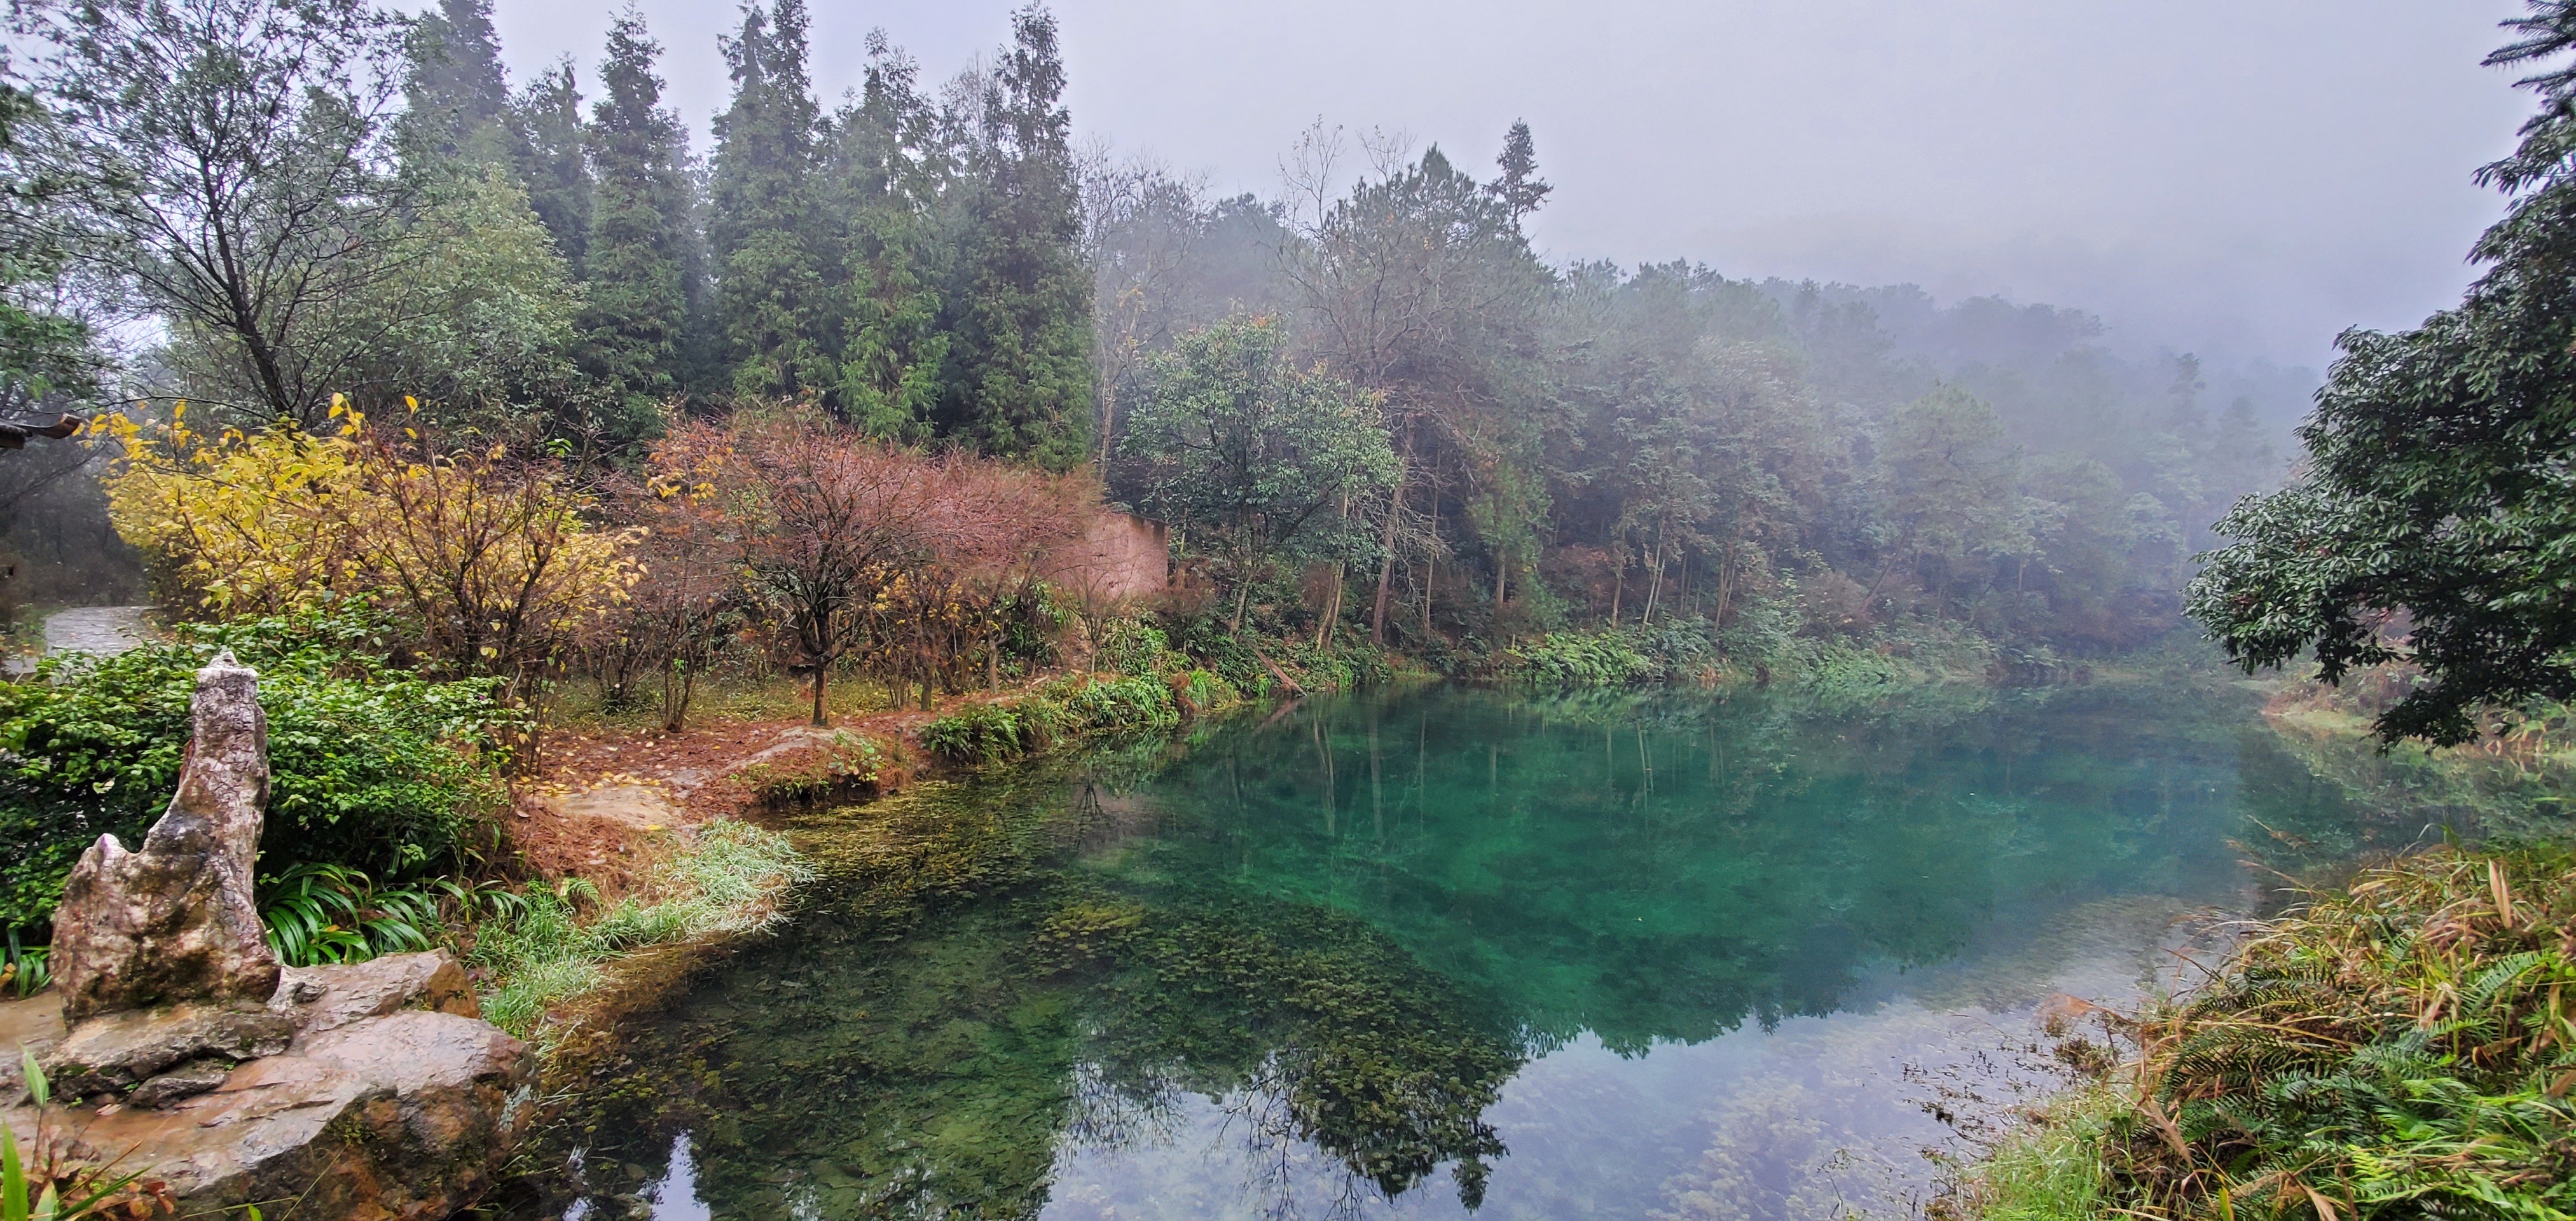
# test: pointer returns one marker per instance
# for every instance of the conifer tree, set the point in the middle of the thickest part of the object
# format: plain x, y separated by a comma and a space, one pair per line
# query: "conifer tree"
554, 165
457, 101
1519, 187
640, 248
1019, 301
885, 172
765, 225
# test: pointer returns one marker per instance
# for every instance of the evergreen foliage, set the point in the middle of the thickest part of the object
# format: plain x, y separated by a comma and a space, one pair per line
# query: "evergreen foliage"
772, 258
374, 766
885, 171
2435, 524
641, 251
456, 99
1018, 308
555, 163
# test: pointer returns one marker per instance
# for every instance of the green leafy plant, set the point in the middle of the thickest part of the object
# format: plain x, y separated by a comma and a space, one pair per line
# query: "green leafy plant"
2403, 1048
989, 731
1580, 659
374, 767
26, 970
849, 760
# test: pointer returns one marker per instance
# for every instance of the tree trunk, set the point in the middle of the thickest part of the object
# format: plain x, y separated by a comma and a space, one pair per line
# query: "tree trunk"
1108, 419
1618, 586
1655, 582
1431, 567
1386, 544
820, 669
993, 667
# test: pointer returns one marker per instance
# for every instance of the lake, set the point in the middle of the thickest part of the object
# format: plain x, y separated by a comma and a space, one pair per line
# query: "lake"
1444, 951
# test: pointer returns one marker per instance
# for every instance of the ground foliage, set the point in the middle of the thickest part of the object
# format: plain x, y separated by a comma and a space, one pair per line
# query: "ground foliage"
2399, 1048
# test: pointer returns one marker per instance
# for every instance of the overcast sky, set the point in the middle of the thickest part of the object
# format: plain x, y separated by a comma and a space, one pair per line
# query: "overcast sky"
2236, 177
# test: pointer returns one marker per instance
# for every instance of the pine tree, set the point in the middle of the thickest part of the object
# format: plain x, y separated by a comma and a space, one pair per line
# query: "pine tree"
640, 248
765, 225
1519, 188
554, 165
885, 174
1019, 302
457, 101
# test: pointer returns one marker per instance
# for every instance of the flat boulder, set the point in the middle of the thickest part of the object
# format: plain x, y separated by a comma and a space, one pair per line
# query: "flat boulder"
116, 1052
324, 998
456, 1083
291, 1135
403, 1115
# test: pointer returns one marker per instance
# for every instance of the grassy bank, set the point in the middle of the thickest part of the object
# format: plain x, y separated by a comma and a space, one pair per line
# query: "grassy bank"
731, 880
2401, 1046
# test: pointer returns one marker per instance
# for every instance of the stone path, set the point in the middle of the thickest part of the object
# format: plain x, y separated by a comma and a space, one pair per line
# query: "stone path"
104, 630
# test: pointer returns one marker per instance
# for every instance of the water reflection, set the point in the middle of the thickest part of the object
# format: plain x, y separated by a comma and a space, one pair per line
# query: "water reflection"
1685, 958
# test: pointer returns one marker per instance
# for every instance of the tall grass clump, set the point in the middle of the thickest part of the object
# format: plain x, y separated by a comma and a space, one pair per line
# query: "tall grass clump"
729, 882
2402, 1048
2048, 1171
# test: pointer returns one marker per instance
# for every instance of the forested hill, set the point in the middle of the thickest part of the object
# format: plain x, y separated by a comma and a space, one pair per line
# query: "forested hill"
1368, 402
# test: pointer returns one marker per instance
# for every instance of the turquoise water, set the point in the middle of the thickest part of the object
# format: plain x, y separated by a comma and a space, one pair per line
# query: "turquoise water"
1449, 951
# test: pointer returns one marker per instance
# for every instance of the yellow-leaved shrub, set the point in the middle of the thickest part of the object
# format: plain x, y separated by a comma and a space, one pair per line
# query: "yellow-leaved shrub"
485, 553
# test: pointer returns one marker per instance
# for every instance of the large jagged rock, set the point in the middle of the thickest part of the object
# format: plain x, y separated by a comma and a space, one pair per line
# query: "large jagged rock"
174, 922
367, 1092
390, 1103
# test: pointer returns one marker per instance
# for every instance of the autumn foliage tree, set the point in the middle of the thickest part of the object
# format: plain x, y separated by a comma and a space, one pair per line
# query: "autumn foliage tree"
852, 547
484, 552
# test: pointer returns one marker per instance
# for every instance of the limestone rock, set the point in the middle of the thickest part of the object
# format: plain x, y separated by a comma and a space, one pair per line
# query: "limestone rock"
326, 998
453, 1080
290, 1135
115, 1052
174, 921
186, 1081
406, 1115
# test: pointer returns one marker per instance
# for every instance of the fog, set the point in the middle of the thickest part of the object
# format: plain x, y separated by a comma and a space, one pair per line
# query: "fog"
2239, 179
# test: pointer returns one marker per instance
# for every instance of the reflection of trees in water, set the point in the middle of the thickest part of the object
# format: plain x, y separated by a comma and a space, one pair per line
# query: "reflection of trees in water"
1348, 927
1667, 869
847, 1073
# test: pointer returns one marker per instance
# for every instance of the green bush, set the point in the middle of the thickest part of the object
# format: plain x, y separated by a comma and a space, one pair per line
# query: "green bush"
372, 767
989, 731
1131, 646
1613, 657
850, 760
1579, 659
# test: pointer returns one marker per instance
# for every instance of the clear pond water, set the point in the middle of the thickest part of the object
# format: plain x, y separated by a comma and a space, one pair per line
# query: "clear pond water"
1446, 952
